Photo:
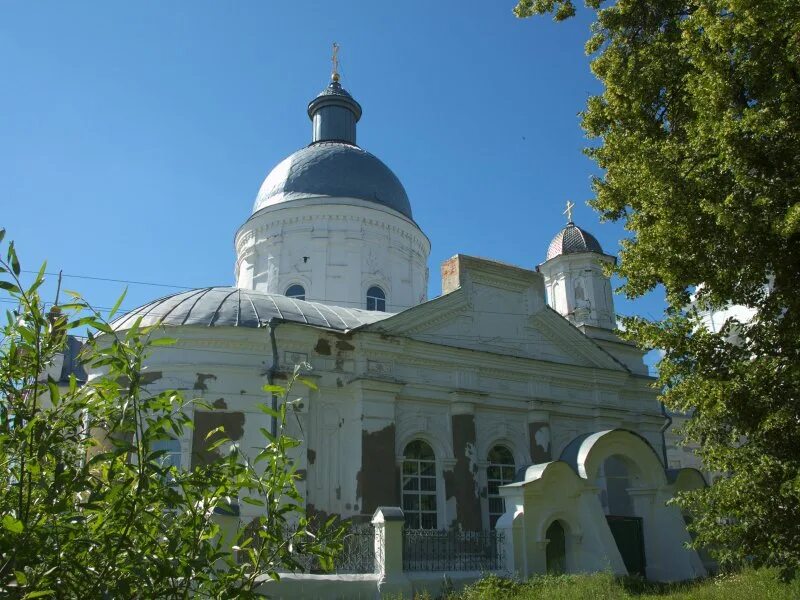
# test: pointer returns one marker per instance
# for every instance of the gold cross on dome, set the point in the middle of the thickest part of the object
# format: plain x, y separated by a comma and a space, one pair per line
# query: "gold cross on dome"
335, 61
568, 212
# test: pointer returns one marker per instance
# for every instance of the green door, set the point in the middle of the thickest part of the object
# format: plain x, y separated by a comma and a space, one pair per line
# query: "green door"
627, 532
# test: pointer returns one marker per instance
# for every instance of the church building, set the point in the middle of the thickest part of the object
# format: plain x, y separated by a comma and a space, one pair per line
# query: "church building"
506, 402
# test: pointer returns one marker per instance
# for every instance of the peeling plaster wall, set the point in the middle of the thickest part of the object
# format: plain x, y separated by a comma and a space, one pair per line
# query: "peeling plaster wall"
378, 481
461, 482
540, 444
225, 368
206, 421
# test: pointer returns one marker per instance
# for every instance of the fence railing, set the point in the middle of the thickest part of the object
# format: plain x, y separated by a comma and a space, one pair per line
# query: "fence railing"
452, 550
357, 555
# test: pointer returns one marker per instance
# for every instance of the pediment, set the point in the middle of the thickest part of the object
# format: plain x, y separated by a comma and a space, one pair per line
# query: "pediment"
513, 322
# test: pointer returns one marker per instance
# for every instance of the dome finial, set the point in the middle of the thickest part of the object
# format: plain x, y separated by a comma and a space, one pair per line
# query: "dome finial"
335, 61
568, 212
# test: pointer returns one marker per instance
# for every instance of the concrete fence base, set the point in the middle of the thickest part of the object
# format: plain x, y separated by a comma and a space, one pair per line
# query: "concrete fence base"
388, 581
367, 587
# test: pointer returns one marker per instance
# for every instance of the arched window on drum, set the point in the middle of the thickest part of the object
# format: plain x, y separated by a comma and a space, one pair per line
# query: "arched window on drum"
376, 299
499, 471
296, 291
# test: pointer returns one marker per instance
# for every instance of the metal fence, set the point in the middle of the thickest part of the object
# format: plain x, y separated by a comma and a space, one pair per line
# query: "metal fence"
453, 550
357, 555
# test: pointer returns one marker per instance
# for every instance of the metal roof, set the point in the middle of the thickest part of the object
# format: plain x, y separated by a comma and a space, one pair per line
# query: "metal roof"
237, 307
334, 88
572, 239
334, 170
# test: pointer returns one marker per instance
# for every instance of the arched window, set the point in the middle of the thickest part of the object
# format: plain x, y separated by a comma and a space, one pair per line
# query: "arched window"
376, 299
500, 471
419, 486
556, 550
296, 291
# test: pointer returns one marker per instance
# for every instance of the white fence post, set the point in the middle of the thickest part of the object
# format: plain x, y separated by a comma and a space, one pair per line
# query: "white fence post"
389, 522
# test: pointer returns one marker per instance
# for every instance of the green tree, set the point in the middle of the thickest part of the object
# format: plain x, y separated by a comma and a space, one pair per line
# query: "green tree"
90, 508
697, 133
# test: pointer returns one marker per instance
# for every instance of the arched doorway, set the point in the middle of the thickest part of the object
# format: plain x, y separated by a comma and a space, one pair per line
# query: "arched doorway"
616, 477
556, 550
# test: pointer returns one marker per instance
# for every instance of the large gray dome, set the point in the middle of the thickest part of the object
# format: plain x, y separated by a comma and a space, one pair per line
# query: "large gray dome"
237, 307
572, 239
333, 170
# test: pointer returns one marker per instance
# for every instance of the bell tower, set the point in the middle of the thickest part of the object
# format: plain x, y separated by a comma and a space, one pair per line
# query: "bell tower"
577, 288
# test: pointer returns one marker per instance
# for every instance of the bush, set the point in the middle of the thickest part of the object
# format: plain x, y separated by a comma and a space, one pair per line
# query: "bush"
90, 508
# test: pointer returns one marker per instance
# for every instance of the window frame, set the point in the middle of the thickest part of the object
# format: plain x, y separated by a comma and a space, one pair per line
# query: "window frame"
378, 301
424, 473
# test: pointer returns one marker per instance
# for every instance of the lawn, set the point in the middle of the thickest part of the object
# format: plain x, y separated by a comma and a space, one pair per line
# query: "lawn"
762, 584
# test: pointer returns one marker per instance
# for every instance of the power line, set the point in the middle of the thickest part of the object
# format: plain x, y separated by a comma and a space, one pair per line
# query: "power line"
93, 278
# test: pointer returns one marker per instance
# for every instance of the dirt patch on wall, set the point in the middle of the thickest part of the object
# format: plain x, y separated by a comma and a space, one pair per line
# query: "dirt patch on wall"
323, 347
539, 434
205, 421
200, 382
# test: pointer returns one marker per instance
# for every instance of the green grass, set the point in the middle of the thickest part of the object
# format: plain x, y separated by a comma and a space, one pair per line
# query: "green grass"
762, 584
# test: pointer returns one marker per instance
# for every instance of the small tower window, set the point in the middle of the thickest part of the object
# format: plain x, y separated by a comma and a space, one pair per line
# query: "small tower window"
376, 299
296, 291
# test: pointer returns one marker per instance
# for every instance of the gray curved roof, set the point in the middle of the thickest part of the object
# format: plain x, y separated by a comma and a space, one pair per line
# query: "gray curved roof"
572, 239
571, 452
236, 307
335, 170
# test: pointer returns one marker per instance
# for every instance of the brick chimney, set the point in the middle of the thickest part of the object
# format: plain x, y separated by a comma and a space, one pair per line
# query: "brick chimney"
451, 274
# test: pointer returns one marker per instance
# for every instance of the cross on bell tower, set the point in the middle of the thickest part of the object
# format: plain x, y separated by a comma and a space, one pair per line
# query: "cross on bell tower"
568, 211
335, 62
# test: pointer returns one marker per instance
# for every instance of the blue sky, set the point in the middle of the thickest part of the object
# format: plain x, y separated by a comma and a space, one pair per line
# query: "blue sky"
134, 136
